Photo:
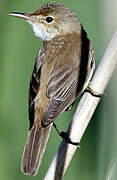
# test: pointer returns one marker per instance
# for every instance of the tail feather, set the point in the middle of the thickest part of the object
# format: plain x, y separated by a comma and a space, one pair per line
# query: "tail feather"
34, 149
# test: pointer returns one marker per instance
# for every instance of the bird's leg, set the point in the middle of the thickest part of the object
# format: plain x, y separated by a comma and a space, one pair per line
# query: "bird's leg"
92, 92
65, 136
69, 107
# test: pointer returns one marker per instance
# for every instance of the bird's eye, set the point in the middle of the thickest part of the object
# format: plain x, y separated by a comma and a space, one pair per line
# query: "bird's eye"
49, 19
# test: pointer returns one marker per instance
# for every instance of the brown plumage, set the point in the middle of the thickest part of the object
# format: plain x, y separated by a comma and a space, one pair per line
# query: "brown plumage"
62, 71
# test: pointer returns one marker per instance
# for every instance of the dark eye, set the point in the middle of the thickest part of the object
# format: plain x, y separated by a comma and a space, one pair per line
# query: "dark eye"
49, 19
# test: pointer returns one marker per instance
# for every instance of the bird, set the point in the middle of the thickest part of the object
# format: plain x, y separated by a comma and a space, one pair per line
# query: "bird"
63, 69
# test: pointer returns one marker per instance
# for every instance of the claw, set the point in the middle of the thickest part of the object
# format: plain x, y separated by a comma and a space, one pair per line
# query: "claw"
65, 136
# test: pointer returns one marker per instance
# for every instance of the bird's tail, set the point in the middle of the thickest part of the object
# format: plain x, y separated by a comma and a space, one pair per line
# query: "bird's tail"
34, 149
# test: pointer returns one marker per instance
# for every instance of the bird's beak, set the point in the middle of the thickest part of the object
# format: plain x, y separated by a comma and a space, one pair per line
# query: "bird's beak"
21, 15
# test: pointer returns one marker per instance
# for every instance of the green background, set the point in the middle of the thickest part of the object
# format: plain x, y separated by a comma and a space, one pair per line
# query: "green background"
97, 157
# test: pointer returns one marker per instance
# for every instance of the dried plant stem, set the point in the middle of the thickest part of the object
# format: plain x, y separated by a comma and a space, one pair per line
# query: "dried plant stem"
84, 112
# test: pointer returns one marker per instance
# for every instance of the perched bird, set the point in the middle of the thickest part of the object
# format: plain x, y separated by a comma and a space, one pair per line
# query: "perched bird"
62, 71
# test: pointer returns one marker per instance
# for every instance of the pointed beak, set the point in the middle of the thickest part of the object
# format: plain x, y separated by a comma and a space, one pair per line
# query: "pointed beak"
21, 15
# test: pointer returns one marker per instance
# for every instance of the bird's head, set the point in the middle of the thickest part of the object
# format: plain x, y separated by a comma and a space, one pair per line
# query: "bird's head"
51, 20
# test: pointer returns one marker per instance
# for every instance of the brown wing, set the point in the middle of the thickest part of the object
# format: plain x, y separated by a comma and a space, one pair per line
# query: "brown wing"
67, 82
62, 90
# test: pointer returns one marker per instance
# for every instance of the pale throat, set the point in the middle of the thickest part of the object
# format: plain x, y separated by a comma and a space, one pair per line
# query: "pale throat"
41, 32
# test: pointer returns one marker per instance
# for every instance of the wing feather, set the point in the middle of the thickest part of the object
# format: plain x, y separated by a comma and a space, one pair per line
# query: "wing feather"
62, 95
67, 81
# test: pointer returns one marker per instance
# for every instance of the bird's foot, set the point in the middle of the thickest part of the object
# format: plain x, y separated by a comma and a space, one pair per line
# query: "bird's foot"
65, 136
92, 92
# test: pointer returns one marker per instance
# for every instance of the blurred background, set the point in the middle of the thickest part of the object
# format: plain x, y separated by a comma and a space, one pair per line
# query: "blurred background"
97, 157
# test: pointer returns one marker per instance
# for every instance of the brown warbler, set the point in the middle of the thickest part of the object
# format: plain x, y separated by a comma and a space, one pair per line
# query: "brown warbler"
62, 71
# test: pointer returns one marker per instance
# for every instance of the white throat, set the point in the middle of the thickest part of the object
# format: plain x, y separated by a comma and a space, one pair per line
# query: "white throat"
41, 32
